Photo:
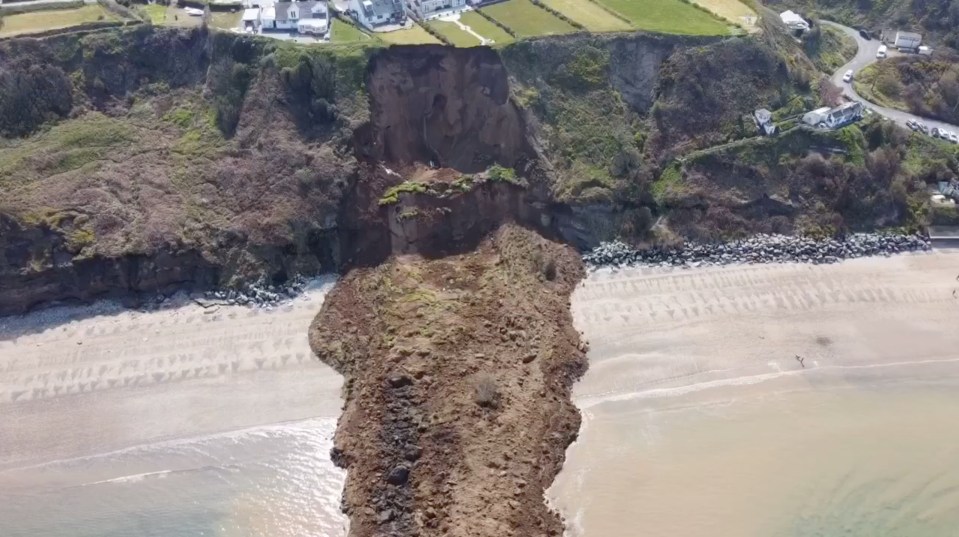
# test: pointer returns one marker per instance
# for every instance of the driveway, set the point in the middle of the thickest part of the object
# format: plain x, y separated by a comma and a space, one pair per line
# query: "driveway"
865, 57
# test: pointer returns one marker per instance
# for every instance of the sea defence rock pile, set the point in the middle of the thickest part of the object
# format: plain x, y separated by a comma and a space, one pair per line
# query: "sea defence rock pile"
756, 249
258, 293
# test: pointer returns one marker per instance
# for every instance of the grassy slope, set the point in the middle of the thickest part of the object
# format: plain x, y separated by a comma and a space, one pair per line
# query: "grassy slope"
347, 33
455, 34
486, 28
589, 14
669, 16
39, 21
412, 36
732, 10
829, 48
526, 19
928, 86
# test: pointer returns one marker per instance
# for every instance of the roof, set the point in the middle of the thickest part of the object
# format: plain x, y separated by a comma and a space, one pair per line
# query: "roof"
908, 35
308, 9
251, 14
382, 8
791, 17
847, 106
763, 115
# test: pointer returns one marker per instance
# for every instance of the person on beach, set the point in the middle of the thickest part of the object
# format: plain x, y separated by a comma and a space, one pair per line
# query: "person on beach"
801, 361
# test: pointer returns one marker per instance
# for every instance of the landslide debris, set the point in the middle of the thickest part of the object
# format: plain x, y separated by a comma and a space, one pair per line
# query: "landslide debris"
458, 374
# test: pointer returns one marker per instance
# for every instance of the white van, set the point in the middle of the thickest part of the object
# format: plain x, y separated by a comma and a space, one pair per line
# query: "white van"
882, 52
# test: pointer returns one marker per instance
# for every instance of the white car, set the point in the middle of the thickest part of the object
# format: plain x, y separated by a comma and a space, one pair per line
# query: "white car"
954, 138
881, 53
847, 77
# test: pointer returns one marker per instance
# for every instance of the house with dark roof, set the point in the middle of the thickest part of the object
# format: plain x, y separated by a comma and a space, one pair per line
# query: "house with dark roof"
306, 17
374, 13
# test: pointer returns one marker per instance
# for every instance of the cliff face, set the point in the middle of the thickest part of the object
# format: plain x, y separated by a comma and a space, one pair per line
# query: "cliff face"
243, 157
443, 105
180, 158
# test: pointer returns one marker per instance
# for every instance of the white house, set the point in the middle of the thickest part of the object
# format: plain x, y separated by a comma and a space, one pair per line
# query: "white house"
307, 17
833, 118
816, 117
251, 19
425, 9
793, 21
373, 13
764, 121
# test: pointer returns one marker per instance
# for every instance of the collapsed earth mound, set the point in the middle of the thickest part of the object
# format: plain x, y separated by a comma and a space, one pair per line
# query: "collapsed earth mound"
458, 375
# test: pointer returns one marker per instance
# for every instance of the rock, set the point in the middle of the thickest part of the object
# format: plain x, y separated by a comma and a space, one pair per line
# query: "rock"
384, 516
400, 380
412, 453
398, 475
529, 357
756, 249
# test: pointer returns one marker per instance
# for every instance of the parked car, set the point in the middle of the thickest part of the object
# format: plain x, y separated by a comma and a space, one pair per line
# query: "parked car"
913, 126
936, 133
923, 128
881, 53
864, 34
847, 77
954, 138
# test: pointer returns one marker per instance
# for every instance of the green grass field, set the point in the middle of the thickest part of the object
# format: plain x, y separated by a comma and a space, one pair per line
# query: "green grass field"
412, 36
731, 10
343, 32
668, 16
590, 15
485, 28
156, 12
526, 19
51, 19
455, 34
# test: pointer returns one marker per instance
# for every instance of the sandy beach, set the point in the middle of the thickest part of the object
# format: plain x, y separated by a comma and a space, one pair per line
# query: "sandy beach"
182, 421
699, 419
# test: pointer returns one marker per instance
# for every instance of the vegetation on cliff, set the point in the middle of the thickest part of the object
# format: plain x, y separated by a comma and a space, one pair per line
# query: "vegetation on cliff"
160, 142
265, 158
927, 86
938, 19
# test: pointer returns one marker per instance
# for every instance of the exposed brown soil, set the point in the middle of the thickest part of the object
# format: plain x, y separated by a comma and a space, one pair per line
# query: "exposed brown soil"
458, 375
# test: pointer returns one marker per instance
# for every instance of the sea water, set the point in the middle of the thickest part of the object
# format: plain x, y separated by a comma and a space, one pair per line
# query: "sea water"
182, 422
274, 480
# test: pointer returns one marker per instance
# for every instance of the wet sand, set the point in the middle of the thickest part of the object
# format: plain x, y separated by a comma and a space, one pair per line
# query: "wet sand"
183, 407
699, 419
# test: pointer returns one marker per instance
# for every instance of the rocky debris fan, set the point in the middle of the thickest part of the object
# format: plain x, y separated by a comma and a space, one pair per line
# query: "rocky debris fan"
757, 249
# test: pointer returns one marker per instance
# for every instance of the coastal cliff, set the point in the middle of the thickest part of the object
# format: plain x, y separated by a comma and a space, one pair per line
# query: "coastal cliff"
236, 158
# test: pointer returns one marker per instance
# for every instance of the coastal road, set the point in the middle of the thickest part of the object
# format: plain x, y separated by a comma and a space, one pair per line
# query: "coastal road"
867, 56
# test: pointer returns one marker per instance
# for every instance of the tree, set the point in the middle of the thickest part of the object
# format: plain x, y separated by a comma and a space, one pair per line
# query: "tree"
887, 83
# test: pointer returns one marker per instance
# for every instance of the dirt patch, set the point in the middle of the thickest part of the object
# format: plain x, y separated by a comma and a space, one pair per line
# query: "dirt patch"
458, 374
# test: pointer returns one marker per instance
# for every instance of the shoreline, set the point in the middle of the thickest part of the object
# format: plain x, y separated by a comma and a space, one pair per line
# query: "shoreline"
704, 341
157, 374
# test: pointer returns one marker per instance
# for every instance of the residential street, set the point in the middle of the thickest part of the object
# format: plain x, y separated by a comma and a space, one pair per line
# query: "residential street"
865, 57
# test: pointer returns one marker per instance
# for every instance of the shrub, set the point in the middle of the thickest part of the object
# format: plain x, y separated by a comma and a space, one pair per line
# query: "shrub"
486, 393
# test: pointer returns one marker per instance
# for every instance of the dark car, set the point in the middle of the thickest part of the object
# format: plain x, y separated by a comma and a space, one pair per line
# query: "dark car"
864, 34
